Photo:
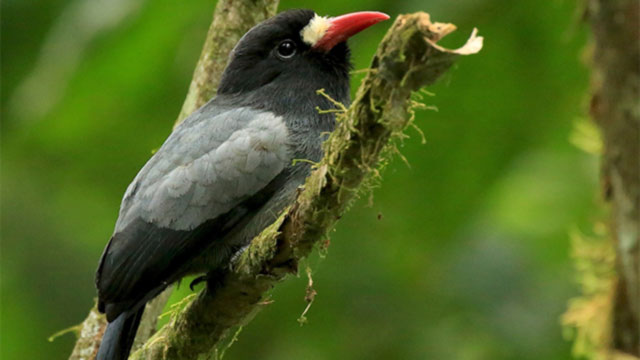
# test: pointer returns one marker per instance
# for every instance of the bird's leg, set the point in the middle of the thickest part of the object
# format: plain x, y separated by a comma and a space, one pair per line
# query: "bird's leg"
215, 279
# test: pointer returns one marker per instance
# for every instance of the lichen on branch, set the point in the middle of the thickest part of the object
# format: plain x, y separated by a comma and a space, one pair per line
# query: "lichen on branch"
407, 59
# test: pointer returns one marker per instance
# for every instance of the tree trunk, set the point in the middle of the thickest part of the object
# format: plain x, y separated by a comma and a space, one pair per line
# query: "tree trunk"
615, 107
608, 320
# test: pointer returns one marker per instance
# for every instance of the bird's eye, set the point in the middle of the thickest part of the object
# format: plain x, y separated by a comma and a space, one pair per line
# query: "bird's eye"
286, 49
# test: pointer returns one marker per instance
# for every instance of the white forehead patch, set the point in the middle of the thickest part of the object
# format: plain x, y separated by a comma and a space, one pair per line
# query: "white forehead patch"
315, 30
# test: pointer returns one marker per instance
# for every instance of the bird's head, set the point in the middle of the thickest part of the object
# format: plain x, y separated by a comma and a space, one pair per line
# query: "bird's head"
296, 51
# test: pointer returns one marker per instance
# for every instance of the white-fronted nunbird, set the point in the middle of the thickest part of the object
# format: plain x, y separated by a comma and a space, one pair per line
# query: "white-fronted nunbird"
227, 170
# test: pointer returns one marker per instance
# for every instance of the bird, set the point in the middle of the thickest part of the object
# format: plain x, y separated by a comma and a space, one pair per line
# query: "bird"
228, 170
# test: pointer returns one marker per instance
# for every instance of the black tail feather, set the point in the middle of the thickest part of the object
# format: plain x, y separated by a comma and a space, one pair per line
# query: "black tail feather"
119, 335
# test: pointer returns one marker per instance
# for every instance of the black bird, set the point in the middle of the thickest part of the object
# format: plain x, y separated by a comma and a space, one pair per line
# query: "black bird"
227, 170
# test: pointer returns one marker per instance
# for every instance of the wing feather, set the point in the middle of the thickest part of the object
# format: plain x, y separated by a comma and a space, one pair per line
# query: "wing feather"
210, 174
222, 172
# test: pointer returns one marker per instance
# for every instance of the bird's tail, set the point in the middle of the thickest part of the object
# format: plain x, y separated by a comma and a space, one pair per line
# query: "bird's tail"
118, 337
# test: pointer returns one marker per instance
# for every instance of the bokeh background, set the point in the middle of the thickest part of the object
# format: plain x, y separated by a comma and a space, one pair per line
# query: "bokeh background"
463, 254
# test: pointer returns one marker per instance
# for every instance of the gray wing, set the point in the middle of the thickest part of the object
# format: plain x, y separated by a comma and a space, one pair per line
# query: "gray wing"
210, 174
206, 167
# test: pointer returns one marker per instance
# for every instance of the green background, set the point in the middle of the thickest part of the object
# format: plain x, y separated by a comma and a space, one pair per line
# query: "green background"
463, 254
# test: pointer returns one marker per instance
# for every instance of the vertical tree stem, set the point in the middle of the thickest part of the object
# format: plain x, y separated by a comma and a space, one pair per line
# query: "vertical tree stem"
615, 107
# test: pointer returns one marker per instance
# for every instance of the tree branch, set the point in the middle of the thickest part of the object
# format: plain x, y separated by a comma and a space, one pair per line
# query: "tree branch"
407, 59
615, 107
231, 20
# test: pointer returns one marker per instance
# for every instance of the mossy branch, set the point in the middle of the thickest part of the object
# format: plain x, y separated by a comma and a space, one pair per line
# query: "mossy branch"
613, 331
407, 59
231, 19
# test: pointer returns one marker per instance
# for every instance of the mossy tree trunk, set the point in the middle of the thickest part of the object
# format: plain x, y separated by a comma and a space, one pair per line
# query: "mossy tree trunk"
615, 107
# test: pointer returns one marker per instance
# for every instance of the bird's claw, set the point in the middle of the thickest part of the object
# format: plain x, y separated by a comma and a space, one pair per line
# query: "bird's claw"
197, 281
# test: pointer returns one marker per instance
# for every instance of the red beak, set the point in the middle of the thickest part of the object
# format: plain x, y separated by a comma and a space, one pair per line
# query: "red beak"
345, 26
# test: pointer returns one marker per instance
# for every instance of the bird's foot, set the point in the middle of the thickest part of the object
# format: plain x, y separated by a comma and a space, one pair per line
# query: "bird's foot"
213, 279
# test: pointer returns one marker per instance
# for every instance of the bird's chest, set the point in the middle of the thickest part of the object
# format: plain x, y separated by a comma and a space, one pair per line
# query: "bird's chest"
306, 143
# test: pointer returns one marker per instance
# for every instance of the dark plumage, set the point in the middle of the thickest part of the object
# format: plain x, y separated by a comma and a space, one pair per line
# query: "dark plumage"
226, 171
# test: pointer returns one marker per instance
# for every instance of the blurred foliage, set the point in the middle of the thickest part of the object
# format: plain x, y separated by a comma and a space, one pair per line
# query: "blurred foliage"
588, 318
464, 254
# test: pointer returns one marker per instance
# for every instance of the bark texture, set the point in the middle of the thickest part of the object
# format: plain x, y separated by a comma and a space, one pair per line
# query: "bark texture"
615, 107
231, 19
407, 59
